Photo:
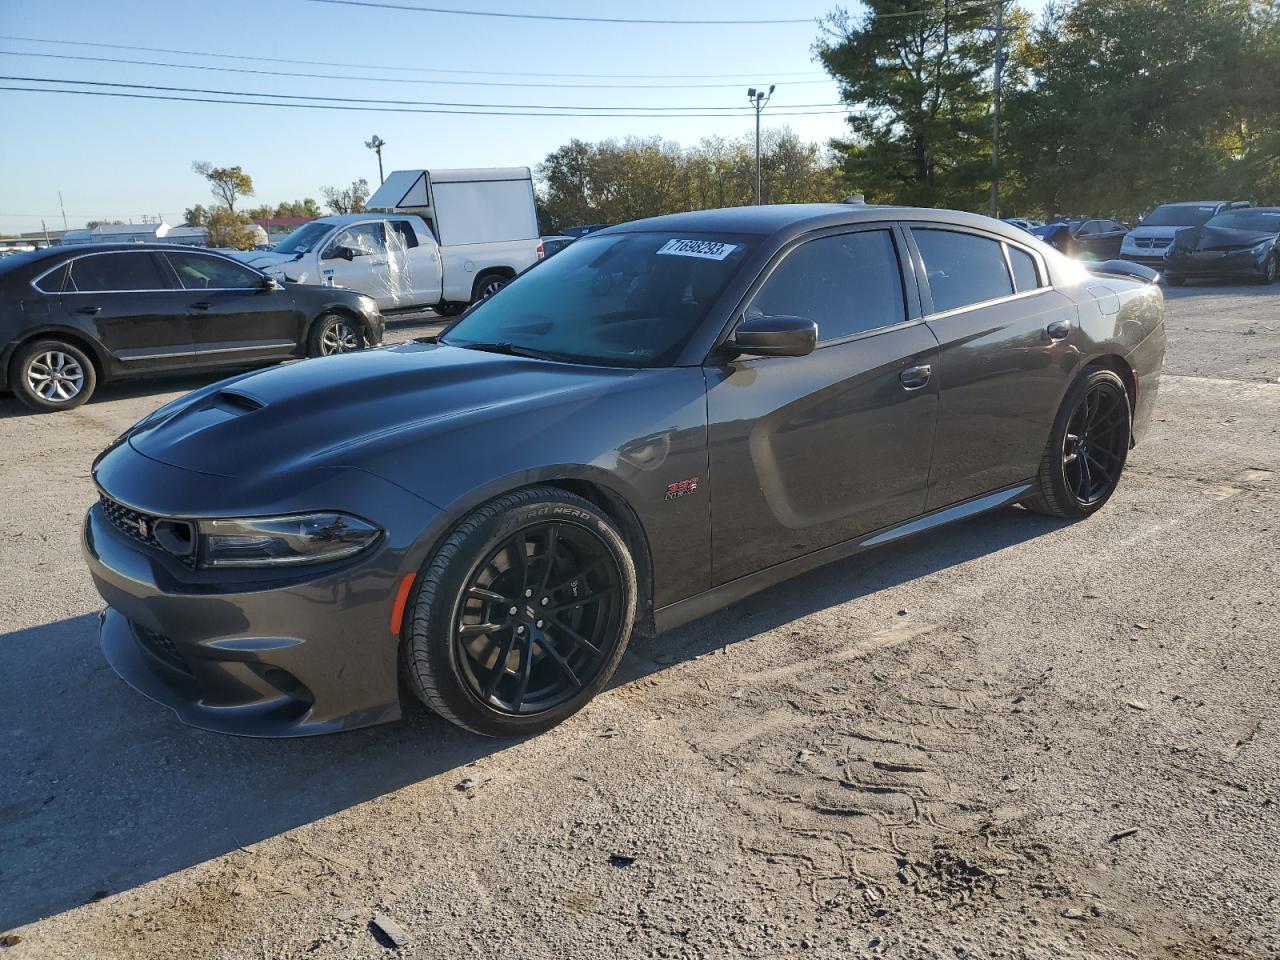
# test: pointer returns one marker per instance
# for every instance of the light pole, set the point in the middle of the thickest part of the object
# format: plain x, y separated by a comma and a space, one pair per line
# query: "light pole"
376, 145
759, 99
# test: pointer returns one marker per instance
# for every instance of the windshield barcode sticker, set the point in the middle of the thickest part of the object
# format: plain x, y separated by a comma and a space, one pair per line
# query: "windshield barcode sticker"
703, 249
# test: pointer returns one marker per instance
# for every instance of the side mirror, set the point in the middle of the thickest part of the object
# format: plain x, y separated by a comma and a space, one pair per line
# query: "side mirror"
269, 285
339, 253
775, 337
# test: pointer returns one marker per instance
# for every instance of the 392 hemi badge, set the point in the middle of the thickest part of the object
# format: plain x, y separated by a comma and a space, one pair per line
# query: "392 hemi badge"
681, 488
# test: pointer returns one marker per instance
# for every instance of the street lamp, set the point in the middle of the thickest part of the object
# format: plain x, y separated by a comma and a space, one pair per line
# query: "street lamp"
376, 145
759, 99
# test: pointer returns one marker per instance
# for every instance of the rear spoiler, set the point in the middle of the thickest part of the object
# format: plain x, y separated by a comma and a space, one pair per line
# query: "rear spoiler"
1122, 268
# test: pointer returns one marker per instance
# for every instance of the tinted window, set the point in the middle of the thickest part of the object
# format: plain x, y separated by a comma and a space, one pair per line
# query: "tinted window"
962, 268
1024, 269
405, 233
1260, 221
116, 271
1179, 215
364, 239
199, 272
845, 284
52, 281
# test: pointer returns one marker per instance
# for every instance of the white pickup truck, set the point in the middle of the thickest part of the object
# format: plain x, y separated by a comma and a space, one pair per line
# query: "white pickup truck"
452, 237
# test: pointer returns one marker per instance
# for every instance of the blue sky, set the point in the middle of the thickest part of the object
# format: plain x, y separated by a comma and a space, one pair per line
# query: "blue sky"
119, 159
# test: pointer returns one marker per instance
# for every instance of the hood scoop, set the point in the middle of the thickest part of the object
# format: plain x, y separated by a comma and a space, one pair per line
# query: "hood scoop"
239, 401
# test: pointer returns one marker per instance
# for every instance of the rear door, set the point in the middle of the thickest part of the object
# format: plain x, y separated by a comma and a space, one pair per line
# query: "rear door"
128, 299
1006, 358
413, 263
809, 451
356, 258
233, 318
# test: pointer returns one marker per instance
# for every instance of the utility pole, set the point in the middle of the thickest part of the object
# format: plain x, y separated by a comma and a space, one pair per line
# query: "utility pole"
376, 145
995, 109
759, 99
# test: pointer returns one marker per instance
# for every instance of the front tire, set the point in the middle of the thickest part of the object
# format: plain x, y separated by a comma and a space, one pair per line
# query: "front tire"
52, 375
1269, 270
522, 614
1087, 449
333, 333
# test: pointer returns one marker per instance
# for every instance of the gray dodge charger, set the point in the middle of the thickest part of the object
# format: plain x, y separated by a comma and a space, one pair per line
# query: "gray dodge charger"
665, 417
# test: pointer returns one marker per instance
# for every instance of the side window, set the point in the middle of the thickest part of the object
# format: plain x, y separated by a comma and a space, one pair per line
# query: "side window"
52, 282
962, 268
1025, 275
845, 284
200, 272
363, 240
403, 232
104, 272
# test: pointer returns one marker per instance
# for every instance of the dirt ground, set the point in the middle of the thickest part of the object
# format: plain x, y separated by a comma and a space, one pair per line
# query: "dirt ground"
1015, 738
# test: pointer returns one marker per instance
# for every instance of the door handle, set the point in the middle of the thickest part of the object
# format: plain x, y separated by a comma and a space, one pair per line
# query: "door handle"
1058, 330
913, 378
202, 305
89, 311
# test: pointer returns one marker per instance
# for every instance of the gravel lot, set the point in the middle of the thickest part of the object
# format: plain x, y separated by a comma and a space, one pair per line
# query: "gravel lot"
1015, 738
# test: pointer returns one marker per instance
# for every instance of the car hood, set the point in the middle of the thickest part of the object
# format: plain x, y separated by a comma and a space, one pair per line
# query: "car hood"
1153, 233
1219, 238
264, 258
342, 410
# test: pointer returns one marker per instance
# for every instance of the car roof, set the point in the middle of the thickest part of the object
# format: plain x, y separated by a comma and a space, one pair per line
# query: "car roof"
791, 218
340, 218
1196, 203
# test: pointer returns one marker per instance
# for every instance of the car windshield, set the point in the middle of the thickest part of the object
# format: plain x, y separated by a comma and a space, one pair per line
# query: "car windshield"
304, 239
630, 299
1255, 221
1179, 215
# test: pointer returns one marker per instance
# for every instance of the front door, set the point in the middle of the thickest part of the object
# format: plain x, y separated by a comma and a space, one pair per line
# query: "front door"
233, 318
413, 259
806, 452
1006, 359
131, 304
356, 258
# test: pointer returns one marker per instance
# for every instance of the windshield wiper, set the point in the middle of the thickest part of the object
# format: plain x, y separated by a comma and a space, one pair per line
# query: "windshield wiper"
510, 350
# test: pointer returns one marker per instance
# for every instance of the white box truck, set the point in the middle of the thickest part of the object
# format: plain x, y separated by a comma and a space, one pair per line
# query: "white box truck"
432, 238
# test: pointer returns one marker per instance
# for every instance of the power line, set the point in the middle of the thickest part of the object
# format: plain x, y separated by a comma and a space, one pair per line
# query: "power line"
339, 76
451, 11
653, 111
373, 109
399, 69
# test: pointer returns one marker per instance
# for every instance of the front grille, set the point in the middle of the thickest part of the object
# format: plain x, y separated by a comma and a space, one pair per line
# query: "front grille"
138, 526
162, 648
1152, 243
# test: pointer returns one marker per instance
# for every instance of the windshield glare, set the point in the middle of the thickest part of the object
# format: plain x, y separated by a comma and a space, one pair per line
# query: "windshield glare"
1179, 215
304, 239
630, 299
1258, 221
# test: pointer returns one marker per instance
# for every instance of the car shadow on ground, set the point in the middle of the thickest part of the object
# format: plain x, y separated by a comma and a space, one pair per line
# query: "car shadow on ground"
103, 790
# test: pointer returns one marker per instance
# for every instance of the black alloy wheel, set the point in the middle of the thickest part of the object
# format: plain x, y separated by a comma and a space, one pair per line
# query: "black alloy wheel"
522, 614
1087, 448
538, 618
1096, 443
1270, 269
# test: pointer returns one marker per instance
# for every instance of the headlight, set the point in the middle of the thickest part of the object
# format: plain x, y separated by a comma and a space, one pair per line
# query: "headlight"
269, 541
1258, 249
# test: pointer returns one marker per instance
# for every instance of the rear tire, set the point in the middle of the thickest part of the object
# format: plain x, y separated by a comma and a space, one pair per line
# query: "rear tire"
487, 284
1087, 449
52, 375
564, 568
450, 308
332, 334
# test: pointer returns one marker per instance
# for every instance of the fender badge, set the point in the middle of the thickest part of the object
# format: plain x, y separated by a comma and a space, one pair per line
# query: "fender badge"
681, 488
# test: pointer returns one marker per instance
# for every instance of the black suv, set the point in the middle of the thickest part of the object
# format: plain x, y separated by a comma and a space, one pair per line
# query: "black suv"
71, 317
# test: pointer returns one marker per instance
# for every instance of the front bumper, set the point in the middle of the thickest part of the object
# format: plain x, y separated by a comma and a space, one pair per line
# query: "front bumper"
1215, 264
1153, 257
264, 653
